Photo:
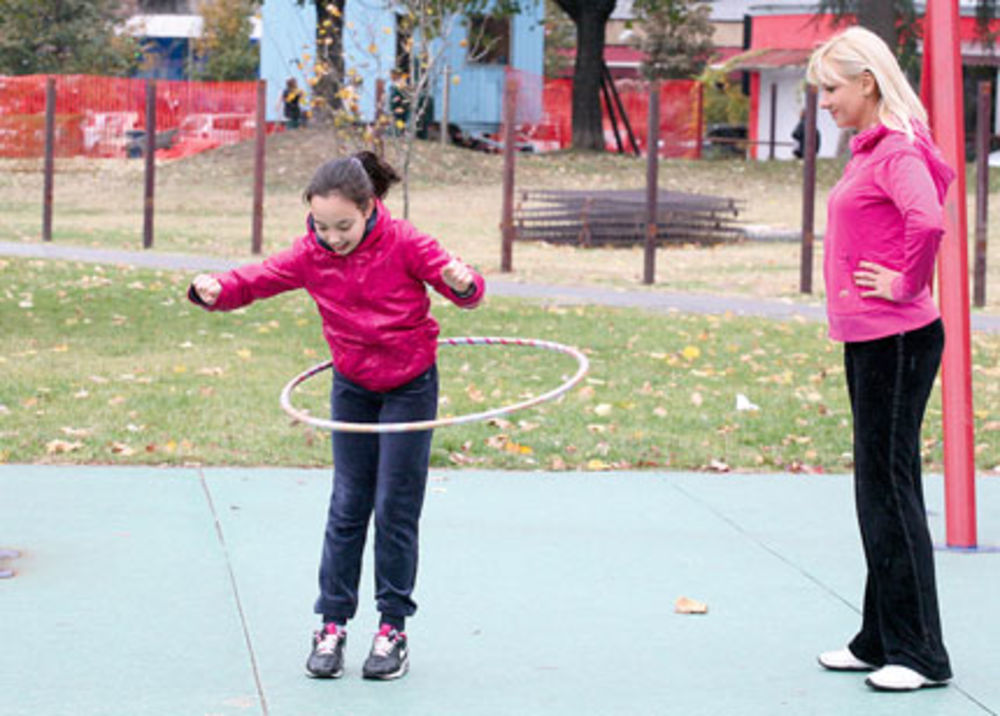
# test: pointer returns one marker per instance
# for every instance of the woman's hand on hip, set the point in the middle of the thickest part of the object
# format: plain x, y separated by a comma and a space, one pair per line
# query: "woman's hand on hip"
457, 275
207, 287
874, 280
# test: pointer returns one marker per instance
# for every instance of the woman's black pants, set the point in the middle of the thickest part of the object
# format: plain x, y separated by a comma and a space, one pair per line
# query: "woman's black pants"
889, 381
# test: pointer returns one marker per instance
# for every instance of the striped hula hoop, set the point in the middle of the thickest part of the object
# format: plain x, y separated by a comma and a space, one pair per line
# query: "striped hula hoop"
583, 365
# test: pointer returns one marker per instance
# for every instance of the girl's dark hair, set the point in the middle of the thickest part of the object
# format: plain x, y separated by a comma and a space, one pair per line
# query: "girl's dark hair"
358, 178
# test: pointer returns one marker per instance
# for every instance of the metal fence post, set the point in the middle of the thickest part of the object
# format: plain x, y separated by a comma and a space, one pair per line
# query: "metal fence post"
150, 186
652, 185
50, 149
260, 137
982, 192
507, 212
808, 192
774, 121
445, 101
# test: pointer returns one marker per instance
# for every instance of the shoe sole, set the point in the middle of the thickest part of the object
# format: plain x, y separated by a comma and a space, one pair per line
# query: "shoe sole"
389, 677
334, 675
854, 669
890, 689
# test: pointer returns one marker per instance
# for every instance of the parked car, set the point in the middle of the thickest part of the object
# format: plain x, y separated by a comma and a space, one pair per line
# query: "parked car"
105, 134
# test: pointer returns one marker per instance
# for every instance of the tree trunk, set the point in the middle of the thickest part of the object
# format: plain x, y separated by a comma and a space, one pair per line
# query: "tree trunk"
328, 83
879, 16
590, 18
588, 131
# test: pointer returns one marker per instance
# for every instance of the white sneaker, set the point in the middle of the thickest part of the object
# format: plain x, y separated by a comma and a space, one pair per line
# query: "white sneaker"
900, 678
843, 660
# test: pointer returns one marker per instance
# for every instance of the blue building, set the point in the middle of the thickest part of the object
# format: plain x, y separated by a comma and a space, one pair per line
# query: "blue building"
373, 47
168, 39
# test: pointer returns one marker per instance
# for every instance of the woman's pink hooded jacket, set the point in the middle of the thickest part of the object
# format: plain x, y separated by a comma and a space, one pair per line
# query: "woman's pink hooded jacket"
886, 209
373, 301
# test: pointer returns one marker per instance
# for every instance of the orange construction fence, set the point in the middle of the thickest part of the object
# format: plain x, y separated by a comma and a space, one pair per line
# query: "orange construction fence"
545, 115
106, 116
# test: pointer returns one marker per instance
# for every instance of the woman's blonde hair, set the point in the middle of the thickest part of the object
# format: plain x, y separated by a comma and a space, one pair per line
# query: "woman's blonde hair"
849, 54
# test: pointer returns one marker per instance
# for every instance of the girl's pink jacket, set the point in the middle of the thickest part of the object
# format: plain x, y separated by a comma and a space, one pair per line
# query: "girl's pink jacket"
373, 302
886, 209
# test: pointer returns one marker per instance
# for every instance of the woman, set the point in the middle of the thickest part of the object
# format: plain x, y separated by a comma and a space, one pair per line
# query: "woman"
884, 227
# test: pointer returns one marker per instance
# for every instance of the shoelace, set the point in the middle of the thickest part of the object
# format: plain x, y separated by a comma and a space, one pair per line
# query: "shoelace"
328, 644
383, 645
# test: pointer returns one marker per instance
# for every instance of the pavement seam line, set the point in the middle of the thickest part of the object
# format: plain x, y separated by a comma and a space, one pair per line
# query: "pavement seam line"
236, 593
737, 527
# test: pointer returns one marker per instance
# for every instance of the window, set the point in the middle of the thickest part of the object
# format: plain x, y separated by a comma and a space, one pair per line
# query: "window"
166, 7
489, 40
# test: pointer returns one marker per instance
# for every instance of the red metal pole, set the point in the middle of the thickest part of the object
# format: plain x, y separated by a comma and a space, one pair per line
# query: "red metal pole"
260, 135
50, 149
150, 187
507, 210
941, 37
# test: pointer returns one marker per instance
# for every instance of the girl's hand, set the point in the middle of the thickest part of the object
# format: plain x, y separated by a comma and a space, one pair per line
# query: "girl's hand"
207, 287
876, 279
457, 275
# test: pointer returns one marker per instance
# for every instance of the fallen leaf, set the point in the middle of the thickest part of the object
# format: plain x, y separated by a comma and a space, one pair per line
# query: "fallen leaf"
686, 605
691, 352
56, 447
121, 449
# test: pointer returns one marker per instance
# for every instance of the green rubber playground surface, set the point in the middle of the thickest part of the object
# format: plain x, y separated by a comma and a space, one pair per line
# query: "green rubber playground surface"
189, 591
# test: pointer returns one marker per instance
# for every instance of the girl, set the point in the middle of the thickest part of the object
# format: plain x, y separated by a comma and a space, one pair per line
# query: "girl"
883, 230
367, 273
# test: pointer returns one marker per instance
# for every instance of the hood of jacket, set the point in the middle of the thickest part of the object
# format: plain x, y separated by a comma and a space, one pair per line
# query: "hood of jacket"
881, 140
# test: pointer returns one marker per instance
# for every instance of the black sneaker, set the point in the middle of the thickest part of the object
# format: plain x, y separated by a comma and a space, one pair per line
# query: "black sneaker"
389, 657
327, 658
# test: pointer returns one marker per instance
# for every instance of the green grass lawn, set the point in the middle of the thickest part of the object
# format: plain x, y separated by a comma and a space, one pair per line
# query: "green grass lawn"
107, 364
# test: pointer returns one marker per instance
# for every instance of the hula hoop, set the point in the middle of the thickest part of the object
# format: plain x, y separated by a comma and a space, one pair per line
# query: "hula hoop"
583, 365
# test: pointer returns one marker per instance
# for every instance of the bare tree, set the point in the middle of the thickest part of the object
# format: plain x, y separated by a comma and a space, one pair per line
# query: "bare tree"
676, 37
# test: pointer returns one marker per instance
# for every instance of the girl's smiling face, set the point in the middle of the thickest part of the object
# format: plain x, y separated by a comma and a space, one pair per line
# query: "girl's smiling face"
339, 221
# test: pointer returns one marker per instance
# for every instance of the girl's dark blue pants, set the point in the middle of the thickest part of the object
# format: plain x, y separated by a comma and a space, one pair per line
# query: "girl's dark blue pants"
889, 381
381, 473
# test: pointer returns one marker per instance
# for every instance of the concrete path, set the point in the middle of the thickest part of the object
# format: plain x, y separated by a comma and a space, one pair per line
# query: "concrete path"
189, 591
650, 299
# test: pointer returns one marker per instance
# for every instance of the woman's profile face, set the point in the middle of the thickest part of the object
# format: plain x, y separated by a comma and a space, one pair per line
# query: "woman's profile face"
851, 103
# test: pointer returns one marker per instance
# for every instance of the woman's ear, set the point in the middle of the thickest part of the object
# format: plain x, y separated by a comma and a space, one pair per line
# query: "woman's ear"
368, 209
869, 87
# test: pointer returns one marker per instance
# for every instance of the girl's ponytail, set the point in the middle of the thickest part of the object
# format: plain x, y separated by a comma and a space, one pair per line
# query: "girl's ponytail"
381, 173
358, 178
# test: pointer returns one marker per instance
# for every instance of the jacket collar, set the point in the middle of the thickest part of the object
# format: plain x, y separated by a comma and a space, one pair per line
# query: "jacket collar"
867, 140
